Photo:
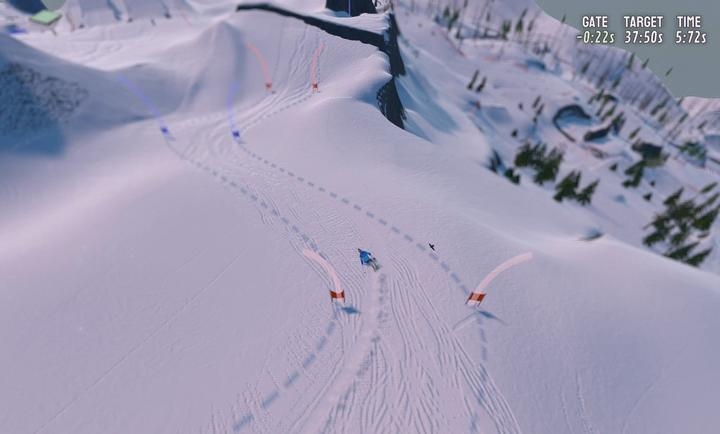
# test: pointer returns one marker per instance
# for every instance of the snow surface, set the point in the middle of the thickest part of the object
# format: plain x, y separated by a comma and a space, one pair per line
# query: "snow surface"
153, 269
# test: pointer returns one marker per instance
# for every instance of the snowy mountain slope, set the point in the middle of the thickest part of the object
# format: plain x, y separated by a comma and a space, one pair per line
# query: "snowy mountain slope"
175, 294
504, 121
48, 93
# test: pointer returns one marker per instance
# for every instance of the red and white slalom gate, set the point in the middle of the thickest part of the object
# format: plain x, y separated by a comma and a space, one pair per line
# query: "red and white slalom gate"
339, 296
475, 298
479, 294
263, 64
314, 68
337, 293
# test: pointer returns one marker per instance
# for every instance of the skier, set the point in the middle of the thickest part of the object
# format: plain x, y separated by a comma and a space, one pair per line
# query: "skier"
367, 258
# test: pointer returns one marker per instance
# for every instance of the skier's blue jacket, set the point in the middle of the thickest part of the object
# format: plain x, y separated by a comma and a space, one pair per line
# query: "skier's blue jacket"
365, 257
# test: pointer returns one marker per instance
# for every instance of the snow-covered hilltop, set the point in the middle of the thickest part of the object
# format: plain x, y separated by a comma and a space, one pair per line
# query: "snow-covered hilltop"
183, 183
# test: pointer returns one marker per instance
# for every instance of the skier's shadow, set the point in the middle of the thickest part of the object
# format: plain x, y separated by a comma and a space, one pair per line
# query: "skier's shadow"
492, 316
350, 310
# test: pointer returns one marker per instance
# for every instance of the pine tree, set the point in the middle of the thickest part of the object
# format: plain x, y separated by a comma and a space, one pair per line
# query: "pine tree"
673, 198
556, 156
648, 197
471, 85
681, 213
708, 188
453, 19
610, 112
619, 120
663, 119
680, 236
705, 221
495, 162
585, 196
566, 188
659, 107
635, 172
600, 109
519, 26
584, 68
613, 167
524, 157
707, 204
661, 222
634, 133
506, 25
698, 258
539, 151
548, 167
681, 253
654, 237
531, 25
512, 175
678, 226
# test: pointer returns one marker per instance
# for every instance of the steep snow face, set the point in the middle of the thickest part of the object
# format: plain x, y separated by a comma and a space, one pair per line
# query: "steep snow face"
160, 275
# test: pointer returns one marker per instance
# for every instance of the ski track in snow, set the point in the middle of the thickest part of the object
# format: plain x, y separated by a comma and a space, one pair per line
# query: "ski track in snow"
255, 196
369, 355
588, 427
664, 370
343, 385
484, 391
497, 407
369, 214
293, 230
243, 420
